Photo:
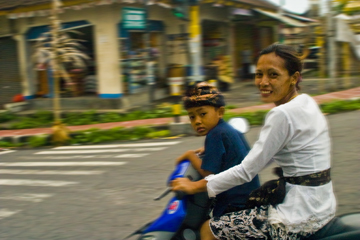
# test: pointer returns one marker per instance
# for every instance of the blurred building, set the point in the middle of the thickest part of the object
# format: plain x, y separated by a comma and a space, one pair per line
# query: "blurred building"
345, 17
114, 37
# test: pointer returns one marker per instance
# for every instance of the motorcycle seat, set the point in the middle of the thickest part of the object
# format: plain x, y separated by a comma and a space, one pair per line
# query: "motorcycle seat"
346, 226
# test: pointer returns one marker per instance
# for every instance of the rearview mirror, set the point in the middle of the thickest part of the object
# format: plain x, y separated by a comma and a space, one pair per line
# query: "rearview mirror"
240, 124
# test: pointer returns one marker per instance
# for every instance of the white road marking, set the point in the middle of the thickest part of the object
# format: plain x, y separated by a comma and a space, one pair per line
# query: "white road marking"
7, 151
29, 197
101, 151
48, 164
131, 155
65, 157
147, 149
121, 145
43, 172
6, 213
37, 183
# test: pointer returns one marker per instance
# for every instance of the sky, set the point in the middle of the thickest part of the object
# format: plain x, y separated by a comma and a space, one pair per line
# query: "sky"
295, 6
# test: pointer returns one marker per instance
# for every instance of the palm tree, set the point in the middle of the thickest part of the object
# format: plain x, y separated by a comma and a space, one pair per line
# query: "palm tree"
56, 48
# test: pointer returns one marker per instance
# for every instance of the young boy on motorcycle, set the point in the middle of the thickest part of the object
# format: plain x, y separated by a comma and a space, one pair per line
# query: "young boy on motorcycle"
224, 146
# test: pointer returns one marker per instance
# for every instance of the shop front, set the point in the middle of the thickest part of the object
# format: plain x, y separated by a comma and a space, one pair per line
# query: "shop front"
215, 44
140, 51
216, 47
246, 42
10, 80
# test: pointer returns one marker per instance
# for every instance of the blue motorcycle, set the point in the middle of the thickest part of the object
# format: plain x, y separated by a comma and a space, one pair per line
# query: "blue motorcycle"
184, 214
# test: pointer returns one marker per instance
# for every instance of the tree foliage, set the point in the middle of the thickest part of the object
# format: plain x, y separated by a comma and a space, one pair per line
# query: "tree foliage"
58, 49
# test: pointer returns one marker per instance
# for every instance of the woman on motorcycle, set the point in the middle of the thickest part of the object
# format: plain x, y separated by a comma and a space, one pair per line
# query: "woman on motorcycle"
295, 135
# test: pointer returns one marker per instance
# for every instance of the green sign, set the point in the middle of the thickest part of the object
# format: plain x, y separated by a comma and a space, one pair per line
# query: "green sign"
134, 18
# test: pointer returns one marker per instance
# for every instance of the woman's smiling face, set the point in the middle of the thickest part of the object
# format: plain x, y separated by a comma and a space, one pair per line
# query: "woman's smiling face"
273, 79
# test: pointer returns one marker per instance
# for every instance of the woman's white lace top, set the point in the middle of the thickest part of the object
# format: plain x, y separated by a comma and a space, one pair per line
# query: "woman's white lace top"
295, 135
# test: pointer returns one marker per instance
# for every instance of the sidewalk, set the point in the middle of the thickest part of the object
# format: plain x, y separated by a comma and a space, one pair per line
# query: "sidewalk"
341, 95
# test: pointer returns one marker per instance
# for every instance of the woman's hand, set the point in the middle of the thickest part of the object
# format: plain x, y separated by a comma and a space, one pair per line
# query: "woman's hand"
187, 186
183, 185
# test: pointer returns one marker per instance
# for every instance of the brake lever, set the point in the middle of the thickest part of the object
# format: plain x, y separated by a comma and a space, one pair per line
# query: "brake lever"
163, 194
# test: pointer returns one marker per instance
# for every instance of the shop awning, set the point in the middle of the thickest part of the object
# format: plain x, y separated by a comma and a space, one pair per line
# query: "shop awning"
35, 32
300, 18
286, 20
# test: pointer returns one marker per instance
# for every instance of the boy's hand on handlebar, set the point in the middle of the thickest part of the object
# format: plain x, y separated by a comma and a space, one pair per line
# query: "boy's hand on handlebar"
200, 150
184, 156
184, 185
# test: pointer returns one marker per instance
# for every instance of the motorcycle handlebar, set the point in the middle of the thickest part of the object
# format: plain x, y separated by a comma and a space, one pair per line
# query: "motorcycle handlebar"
163, 194
178, 194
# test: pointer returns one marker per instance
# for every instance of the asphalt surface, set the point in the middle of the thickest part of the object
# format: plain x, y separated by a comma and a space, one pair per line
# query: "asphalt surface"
110, 201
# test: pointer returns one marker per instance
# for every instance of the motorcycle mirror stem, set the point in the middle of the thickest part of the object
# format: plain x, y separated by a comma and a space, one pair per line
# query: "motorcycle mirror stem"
179, 195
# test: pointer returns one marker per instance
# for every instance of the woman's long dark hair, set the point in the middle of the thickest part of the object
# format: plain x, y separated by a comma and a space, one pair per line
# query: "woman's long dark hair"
291, 57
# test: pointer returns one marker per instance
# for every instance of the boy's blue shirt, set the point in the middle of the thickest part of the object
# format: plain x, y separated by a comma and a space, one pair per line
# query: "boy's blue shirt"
226, 147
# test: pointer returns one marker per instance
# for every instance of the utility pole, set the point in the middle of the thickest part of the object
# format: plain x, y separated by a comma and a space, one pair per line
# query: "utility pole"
280, 26
188, 10
195, 40
55, 27
331, 46
150, 78
60, 132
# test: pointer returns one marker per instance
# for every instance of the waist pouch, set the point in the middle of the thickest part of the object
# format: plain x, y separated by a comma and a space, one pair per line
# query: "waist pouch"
273, 191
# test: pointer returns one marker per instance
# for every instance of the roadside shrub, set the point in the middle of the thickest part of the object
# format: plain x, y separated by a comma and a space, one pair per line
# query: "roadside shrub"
7, 116
85, 118
27, 122
135, 115
164, 109
158, 134
254, 118
38, 119
141, 131
152, 114
38, 141
44, 116
230, 107
110, 117
85, 136
97, 136
7, 144
340, 106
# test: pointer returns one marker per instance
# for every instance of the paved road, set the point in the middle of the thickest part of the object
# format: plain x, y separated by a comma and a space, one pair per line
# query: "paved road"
106, 191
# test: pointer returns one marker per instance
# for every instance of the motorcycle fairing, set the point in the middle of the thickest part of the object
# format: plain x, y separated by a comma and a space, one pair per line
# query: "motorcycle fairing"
179, 171
171, 218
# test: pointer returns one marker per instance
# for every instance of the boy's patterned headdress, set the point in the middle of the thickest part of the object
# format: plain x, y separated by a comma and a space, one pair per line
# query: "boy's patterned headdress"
203, 94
